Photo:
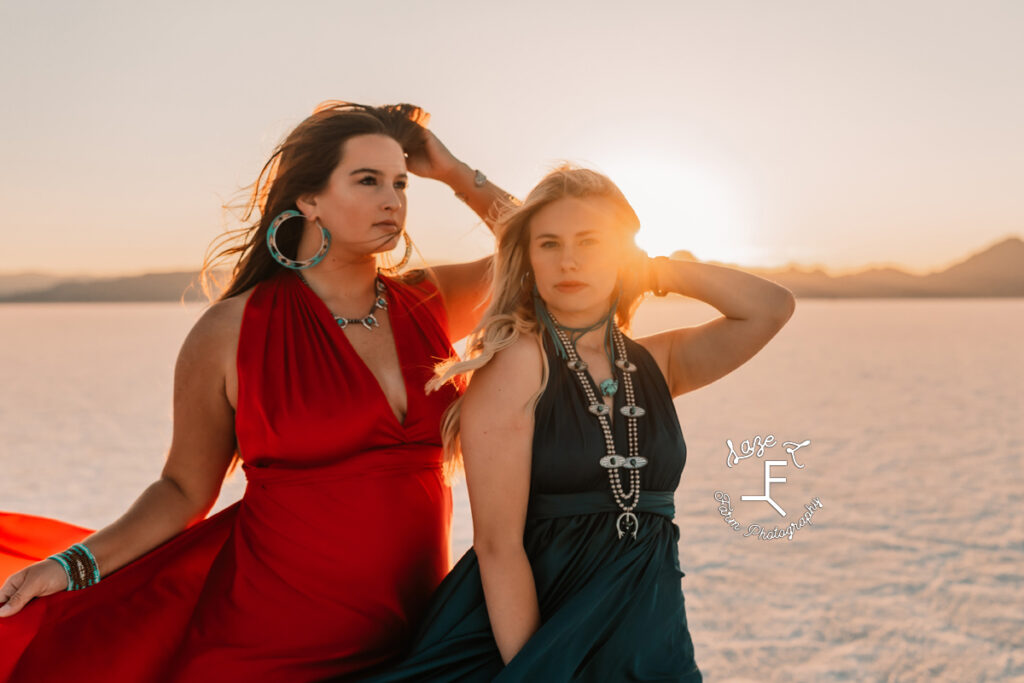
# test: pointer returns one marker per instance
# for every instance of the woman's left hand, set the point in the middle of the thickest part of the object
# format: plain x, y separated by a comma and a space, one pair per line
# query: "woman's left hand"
433, 160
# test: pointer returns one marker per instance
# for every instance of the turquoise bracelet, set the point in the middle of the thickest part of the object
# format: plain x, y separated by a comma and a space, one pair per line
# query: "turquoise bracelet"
80, 566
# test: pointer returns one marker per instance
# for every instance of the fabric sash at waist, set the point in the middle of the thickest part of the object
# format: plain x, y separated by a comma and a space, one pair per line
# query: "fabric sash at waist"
382, 463
547, 505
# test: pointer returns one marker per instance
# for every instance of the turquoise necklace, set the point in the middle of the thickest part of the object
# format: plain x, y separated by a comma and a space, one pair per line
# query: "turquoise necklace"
609, 386
369, 321
626, 496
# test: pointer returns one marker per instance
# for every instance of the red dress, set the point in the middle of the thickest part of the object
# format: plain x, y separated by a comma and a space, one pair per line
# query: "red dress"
325, 565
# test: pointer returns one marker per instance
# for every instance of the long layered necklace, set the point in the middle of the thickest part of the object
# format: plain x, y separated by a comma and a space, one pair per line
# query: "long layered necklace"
626, 498
369, 321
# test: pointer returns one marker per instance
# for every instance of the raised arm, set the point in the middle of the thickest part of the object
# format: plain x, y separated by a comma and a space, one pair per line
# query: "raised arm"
497, 437
754, 310
463, 286
201, 450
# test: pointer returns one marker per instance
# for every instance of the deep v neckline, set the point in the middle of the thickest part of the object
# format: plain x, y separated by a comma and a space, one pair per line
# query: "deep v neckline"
327, 318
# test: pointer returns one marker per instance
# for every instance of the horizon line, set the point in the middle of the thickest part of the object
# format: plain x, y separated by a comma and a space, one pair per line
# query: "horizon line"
834, 271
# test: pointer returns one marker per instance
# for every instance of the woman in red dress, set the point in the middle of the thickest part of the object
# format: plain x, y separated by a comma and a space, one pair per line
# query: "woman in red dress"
309, 370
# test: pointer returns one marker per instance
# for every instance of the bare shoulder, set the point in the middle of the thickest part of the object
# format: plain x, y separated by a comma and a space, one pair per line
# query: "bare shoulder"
514, 374
464, 289
417, 276
208, 356
659, 345
497, 427
216, 332
222, 319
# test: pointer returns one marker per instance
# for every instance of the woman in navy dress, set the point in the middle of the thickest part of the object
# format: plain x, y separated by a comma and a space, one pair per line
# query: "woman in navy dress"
572, 449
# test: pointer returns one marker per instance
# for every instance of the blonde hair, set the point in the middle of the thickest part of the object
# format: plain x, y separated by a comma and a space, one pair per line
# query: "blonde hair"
510, 314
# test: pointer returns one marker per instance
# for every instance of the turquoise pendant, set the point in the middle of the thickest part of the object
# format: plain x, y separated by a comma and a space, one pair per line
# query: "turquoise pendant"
609, 387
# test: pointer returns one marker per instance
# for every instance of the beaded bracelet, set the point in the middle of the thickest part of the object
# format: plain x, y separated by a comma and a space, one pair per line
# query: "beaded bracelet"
80, 566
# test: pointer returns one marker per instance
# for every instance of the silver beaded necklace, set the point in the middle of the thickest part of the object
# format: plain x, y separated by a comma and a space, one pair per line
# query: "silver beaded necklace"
627, 521
369, 321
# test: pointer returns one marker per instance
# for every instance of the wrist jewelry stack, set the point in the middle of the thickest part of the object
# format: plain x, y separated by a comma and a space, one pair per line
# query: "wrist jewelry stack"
478, 181
80, 566
655, 286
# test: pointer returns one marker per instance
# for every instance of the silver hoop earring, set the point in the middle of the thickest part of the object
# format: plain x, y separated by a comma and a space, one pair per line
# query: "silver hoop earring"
294, 264
394, 270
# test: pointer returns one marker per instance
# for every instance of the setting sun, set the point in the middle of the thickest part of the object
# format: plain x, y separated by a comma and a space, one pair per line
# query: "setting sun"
682, 207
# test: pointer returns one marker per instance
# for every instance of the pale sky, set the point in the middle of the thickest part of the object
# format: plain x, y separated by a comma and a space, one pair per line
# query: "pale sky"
842, 133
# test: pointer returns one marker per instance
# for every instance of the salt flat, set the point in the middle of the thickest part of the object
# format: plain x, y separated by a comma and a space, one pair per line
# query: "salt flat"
911, 569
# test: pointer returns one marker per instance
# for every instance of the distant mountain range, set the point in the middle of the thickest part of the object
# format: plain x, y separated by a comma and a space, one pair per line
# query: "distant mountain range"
178, 286
997, 271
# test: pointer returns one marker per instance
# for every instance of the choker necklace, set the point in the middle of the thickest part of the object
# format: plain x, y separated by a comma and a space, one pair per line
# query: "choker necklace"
609, 386
627, 522
369, 321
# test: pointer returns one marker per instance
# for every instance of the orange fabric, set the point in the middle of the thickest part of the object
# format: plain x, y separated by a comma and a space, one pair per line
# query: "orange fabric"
25, 539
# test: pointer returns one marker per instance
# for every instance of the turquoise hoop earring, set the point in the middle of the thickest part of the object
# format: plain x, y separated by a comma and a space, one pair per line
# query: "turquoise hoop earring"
275, 253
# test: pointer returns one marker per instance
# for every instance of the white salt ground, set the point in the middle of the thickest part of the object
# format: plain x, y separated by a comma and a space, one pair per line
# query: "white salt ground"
912, 569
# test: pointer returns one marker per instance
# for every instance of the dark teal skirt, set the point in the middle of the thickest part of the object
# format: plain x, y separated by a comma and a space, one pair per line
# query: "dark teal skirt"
611, 609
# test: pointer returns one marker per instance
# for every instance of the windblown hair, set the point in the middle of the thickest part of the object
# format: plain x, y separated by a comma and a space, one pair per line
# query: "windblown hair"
302, 164
510, 314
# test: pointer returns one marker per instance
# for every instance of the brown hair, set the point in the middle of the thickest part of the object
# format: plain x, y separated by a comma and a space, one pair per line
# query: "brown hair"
302, 164
511, 313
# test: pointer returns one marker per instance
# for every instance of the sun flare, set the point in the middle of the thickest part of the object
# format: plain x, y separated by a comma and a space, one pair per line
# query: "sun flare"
681, 208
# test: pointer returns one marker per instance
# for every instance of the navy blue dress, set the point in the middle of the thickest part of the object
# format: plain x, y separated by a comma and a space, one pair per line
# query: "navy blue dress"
611, 609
